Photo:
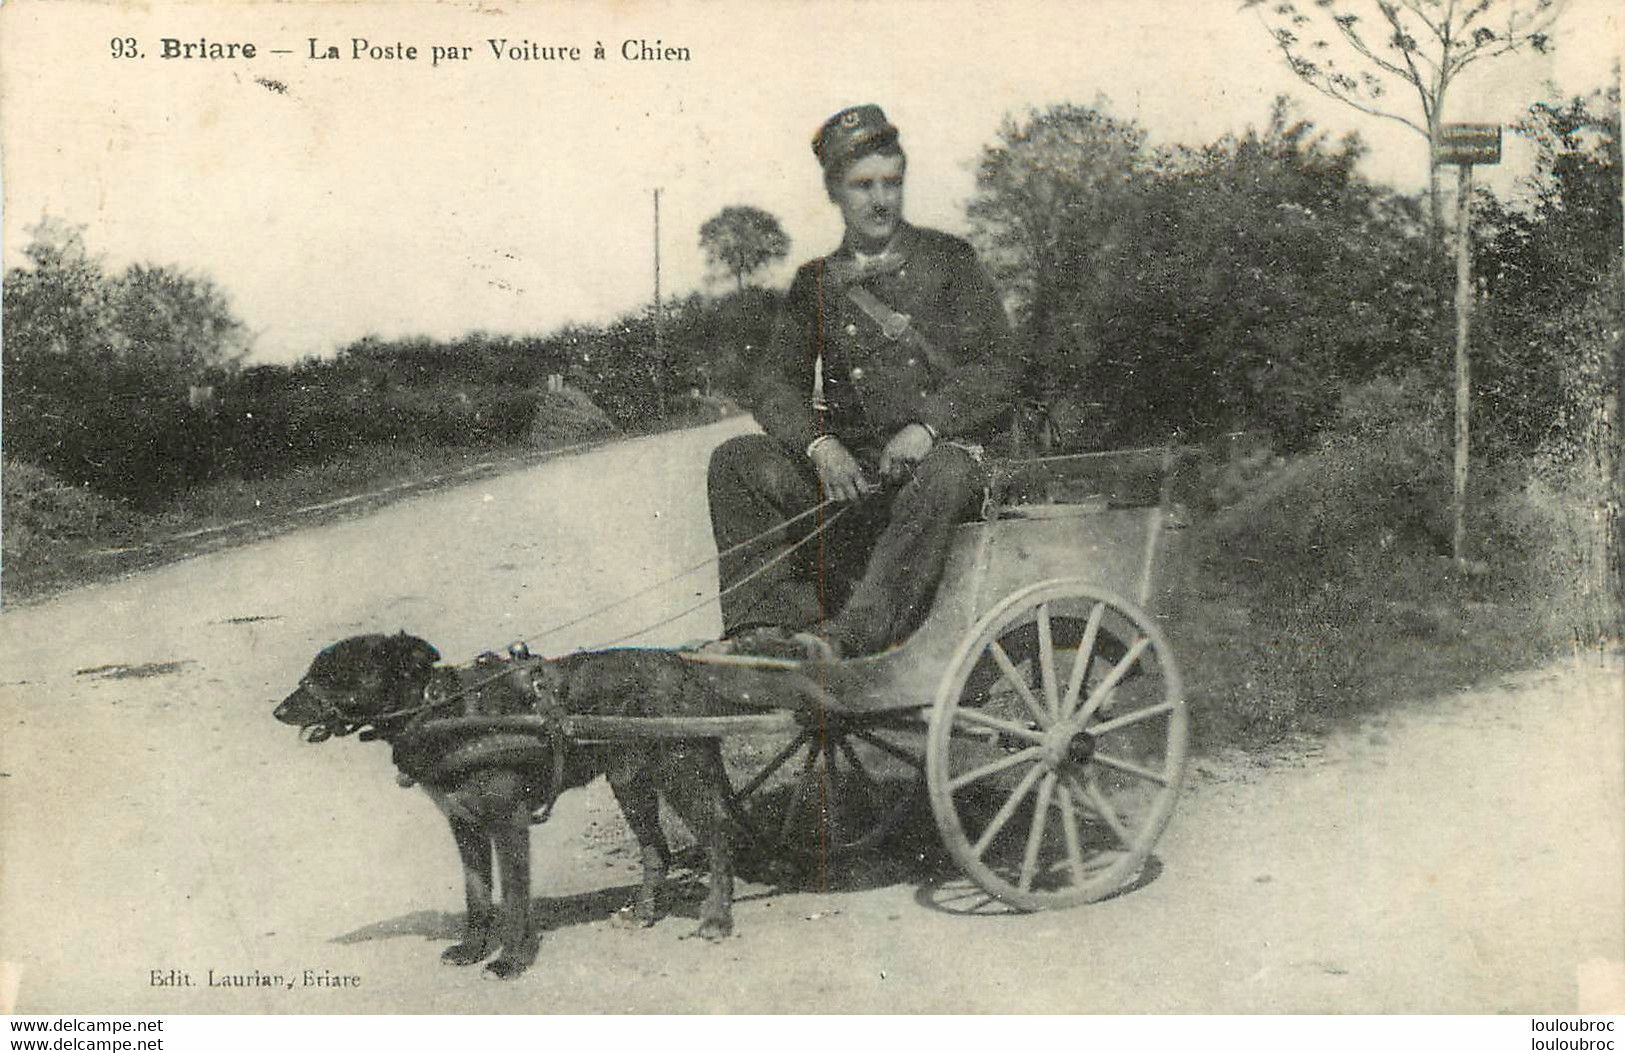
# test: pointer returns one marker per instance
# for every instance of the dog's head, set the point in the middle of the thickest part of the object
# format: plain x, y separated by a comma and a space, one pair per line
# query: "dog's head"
356, 682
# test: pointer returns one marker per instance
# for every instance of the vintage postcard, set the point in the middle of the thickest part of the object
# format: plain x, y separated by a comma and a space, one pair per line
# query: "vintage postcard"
846, 507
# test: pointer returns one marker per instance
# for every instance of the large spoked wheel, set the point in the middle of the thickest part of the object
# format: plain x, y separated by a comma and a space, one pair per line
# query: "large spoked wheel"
1056, 746
841, 786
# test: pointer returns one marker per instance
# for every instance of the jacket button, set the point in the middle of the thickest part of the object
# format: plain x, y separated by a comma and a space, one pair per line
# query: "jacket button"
851, 329
857, 372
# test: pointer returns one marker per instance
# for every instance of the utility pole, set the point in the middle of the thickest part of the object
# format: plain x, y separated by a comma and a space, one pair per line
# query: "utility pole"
660, 357
1464, 145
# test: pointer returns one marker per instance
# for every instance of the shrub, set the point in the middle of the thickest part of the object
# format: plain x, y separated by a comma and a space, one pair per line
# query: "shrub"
1328, 586
40, 510
566, 417
1553, 536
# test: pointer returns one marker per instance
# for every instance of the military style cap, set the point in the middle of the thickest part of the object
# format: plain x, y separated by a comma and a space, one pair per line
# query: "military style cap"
854, 131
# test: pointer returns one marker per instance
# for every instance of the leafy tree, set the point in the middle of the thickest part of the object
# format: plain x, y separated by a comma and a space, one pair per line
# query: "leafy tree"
158, 319
1357, 51
1551, 313
64, 305
178, 323
1234, 286
1265, 276
97, 365
1053, 193
741, 240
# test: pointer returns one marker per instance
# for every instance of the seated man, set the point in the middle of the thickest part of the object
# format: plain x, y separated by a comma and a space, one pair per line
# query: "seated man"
890, 362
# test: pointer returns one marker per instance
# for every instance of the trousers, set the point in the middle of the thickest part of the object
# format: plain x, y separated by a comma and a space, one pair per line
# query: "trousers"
868, 580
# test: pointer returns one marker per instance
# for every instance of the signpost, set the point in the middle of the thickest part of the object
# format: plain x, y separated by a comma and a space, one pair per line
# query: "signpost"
1464, 145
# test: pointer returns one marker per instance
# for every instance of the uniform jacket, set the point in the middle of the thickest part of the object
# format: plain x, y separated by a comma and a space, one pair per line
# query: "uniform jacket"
873, 385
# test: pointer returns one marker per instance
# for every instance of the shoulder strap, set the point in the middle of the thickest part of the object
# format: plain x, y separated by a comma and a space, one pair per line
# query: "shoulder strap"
896, 325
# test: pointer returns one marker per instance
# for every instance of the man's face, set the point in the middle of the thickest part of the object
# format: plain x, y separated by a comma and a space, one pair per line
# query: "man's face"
870, 197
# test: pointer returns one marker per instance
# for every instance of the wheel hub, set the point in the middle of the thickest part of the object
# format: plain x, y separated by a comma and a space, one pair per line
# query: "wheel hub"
1067, 744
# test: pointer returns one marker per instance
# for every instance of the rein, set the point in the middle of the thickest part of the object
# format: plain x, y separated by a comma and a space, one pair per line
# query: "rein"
703, 564
342, 719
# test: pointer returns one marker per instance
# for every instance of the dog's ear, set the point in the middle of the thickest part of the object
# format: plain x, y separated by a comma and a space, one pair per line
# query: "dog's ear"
411, 656
547, 684
346, 663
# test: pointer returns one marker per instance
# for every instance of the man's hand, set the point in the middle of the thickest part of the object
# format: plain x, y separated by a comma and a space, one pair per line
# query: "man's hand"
906, 449
839, 472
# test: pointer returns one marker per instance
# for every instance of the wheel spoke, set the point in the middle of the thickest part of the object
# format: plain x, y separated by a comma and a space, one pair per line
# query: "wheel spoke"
1003, 815
1035, 836
1046, 663
1007, 727
773, 765
809, 772
994, 767
1090, 795
1106, 727
857, 766
1069, 827
1130, 768
1013, 675
1102, 692
892, 748
1080, 664
826, 799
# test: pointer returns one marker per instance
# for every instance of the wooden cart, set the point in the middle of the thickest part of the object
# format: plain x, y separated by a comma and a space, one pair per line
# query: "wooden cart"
1038, 706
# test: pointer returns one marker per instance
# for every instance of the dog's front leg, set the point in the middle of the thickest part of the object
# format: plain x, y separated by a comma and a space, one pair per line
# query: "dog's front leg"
519, 939
640, 804
475, 849
695, 786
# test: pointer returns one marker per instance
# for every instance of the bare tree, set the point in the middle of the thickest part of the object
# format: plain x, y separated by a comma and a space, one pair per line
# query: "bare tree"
1356, 51
742, 239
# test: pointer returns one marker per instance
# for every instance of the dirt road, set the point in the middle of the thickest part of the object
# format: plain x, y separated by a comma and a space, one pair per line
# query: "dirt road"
156, 824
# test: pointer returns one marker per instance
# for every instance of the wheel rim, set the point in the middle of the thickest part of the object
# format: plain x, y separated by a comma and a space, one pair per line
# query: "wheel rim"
1057, 746
838, 788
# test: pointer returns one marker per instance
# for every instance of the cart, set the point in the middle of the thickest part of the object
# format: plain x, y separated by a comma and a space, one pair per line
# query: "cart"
1038, 707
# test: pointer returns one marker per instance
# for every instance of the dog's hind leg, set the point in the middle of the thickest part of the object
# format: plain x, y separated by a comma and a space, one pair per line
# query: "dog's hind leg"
475, 849
693, 782
641, 805
519, 938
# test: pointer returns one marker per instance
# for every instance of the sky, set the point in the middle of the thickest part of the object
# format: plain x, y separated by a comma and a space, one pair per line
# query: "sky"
335, 198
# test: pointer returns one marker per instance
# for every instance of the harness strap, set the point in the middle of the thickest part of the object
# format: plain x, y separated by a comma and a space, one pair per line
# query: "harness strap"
547, 707
545, 812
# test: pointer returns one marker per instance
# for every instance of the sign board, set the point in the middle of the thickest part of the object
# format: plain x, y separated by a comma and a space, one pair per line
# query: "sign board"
1468, 144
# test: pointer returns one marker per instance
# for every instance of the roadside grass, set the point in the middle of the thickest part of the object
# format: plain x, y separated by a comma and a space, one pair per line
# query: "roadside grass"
85, 538
58, 537
1326, 591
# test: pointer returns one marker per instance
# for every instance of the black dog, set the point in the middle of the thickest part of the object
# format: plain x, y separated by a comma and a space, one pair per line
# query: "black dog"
490, 784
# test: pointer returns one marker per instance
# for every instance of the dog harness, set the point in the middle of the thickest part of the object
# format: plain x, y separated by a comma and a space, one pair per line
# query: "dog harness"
445, 752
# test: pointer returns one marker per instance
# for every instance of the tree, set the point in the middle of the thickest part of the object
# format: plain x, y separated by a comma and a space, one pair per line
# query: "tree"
1551, 273
1233, 286
97, 365
178, 323
64, 305
1258, 277
1053, 193
742, 239
1355, 51
155, 319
